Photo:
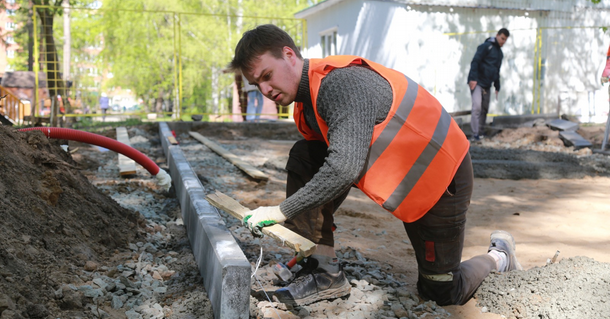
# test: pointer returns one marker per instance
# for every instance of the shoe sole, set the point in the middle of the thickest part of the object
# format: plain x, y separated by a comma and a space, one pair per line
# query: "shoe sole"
333, 293
501, 234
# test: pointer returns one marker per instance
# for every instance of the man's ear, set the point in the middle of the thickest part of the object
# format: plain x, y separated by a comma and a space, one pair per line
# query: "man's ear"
288, 53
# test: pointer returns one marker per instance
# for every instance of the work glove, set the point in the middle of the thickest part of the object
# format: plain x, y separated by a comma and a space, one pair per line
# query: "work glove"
164, 180
263, 216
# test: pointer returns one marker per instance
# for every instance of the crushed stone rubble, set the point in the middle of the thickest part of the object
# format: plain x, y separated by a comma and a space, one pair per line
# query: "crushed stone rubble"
375, 292
139, 283
156, 277
159, 278
537, 294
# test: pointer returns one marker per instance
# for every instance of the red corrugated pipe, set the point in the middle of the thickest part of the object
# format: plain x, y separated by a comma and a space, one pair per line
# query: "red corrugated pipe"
75, 135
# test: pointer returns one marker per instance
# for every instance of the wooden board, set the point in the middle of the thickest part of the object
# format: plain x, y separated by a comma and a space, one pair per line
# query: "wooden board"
172, 140
300, 244
127, 166
247, 168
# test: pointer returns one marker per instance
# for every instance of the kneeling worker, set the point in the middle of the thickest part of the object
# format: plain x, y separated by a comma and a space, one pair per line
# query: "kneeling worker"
369, 126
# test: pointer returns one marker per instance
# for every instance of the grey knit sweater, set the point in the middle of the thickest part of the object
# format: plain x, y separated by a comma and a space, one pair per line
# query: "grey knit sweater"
352, 101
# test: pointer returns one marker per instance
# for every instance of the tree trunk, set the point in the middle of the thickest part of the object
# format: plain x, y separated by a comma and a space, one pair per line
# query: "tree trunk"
159, 102
30, 28
54, 81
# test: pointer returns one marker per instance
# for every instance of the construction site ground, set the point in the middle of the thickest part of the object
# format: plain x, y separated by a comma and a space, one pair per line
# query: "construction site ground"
78, 240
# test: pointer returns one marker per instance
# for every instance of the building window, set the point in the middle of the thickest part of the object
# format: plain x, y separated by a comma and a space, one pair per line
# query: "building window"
10, 39
10, 12
328, 40
10, 25
10, 54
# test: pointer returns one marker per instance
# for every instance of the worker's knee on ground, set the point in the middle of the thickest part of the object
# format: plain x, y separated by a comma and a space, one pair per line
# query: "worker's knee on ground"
442, 248
439, 288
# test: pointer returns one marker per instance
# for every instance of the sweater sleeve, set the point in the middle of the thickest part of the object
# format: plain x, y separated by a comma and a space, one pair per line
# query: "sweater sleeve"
351, 100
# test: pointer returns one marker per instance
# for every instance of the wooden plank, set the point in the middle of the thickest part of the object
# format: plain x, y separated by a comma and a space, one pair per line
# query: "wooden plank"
300, 244
127, 166
172, 140
247, 168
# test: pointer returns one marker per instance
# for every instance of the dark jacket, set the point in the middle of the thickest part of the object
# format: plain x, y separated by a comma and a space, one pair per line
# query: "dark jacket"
485, 66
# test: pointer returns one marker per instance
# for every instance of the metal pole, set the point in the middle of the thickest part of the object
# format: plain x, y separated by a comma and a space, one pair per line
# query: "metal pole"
179, 106
175, 115
67, 40
36, 66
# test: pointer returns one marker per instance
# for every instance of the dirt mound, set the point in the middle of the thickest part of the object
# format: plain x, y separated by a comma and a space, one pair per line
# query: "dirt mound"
530, 135
572, 288
53, 221
538, 153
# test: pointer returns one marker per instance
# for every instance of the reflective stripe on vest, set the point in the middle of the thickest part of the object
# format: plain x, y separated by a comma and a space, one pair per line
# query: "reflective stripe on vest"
425, 158
414, 152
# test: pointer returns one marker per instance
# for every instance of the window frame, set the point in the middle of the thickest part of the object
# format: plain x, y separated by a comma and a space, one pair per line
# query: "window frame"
328, 41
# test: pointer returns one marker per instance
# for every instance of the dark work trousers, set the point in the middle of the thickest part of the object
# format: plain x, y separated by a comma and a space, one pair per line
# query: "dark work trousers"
480, 107
437, 237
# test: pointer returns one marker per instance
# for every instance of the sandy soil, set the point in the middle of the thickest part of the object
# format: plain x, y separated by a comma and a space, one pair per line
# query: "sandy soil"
543, 215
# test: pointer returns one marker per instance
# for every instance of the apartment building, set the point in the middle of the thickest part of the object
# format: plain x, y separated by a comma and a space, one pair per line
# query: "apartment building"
8, 46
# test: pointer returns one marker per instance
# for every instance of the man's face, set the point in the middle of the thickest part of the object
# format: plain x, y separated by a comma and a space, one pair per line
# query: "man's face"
501, 39
277, 79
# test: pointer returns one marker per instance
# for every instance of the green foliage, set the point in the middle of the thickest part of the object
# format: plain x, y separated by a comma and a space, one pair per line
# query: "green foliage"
139, 47
159, 49
188, 42
88, 124
195, 102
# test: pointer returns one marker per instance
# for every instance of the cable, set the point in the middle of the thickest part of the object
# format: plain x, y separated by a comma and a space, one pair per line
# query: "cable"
258, 263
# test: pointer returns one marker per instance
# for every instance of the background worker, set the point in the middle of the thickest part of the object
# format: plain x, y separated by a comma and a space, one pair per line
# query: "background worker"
255, 101
485, 70
104, 103
352, 114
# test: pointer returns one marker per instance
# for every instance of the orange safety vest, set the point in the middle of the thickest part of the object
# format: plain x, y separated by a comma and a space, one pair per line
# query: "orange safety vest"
414, 152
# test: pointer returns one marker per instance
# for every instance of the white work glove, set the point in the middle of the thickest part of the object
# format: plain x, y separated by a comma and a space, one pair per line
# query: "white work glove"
163, 179
263, 216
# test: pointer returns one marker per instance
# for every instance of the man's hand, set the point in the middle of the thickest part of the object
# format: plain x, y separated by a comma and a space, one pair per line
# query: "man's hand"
263, 216
472, 84
497, 95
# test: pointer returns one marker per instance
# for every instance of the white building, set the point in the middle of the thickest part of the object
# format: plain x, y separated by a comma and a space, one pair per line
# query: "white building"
552, 61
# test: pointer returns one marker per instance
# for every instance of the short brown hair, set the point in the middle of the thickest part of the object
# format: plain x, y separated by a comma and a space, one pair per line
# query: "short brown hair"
258, 41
